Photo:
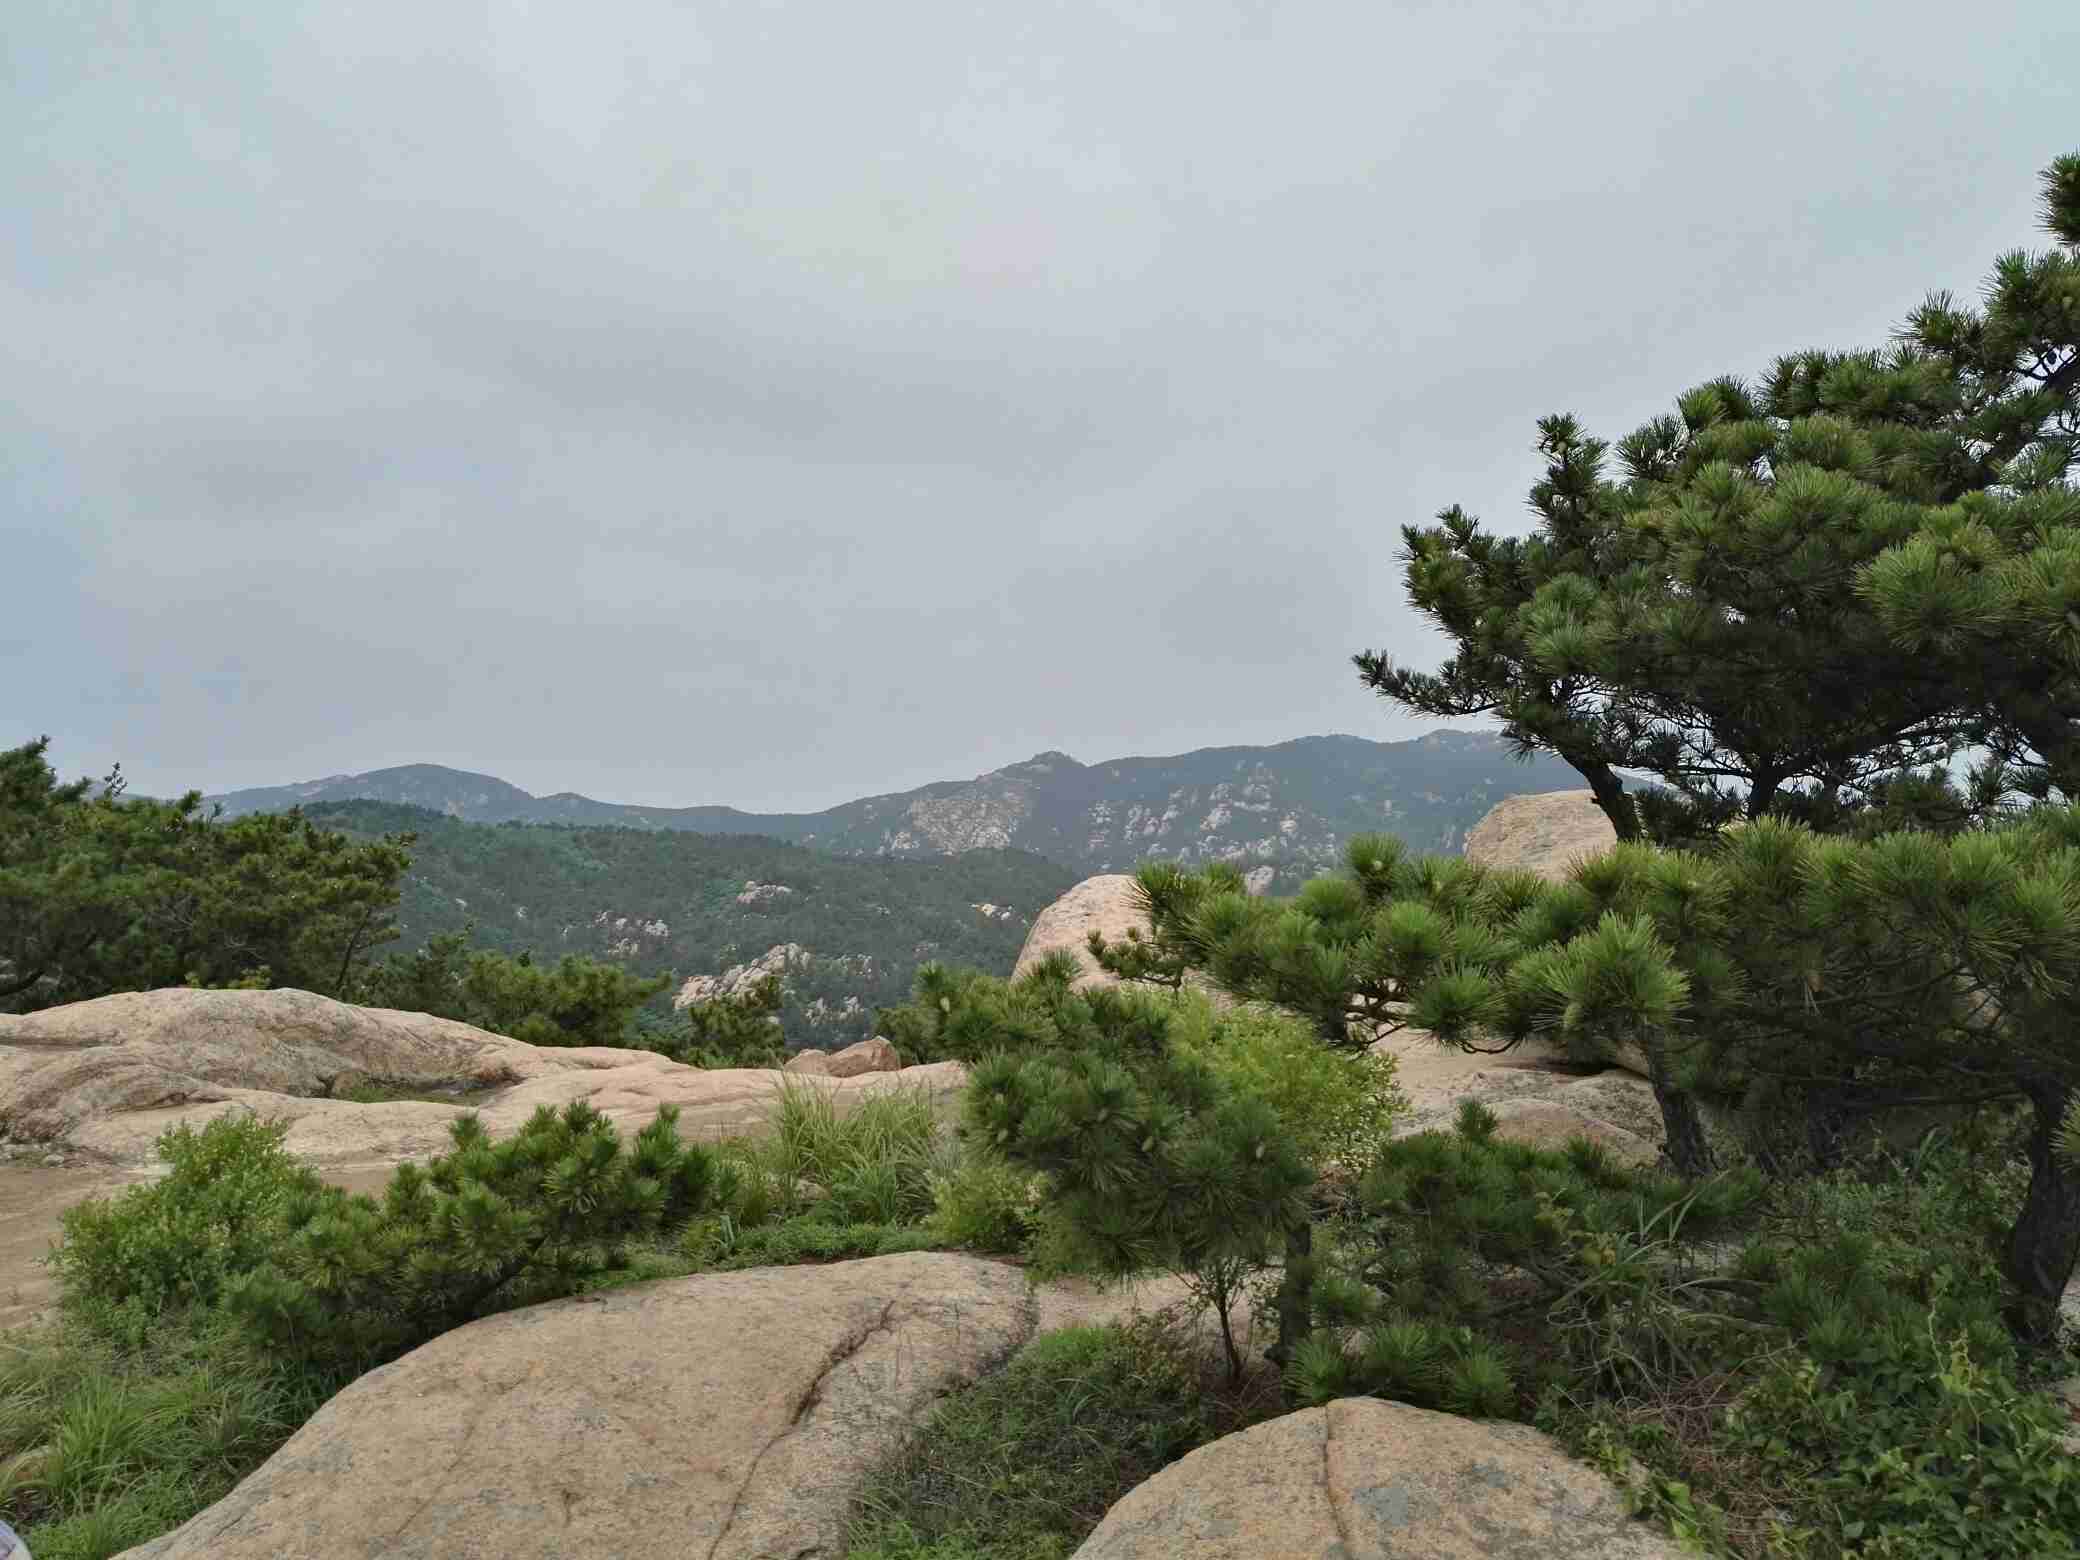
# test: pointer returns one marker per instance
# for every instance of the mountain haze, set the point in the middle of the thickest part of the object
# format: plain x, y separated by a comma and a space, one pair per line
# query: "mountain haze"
1289, 806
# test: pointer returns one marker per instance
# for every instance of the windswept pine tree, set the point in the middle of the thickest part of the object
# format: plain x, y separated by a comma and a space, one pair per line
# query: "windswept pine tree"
1796, 596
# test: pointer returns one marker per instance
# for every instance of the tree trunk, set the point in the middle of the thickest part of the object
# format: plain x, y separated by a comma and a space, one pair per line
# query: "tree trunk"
1828, 1118
1687, 1149
2045, 1242
1294, 1301
1609, 792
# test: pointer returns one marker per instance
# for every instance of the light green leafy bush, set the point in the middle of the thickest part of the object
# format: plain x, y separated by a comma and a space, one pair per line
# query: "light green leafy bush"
1336, 1106
984, 1204
182, 1238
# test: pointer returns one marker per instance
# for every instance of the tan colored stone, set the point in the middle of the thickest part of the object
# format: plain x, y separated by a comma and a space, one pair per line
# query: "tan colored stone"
1363, 1479
1550, 1124
110, 1075
726, 1415
1544, 833
810, 1061
1101, 904
877, 1055
1624, 1099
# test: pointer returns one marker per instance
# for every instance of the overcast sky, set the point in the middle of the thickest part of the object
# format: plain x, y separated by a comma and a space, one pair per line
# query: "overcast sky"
775, 403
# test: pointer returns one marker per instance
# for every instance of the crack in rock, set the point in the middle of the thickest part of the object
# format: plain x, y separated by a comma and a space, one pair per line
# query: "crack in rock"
845, 1350
1346, 1539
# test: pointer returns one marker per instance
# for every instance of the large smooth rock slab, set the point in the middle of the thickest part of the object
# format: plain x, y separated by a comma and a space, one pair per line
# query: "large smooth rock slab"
1364, 1479
1105, 903
1544, 833
730, 1416
110, 1075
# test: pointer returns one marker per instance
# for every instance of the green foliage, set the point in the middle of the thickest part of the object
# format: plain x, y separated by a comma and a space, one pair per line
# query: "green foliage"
1023, 1464
486, 1226
181, 1239
1161, 957
576, 1001
1451, 1234
100, 893
1866, 974
739, 1031
1877, 1405
1336, 1107
868, 1174
1798, 597
1153, 1161
106, 1445
664, 902
804, 1238
985, 1204
963, 1015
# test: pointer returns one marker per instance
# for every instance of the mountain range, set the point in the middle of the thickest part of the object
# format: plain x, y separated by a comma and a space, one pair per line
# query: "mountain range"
1283, 810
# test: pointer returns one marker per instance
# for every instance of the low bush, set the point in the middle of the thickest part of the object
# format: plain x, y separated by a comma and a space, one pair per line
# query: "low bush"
1023, 1464
983, 1204
484, 1227
1880, 1408
1469, 1272
804, 1238
181, 1239
1336, 1106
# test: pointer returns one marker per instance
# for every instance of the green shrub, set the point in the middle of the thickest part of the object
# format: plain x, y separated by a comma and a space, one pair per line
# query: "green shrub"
1878, 1406
720, 1246
181, 1239
984, 1204
1023, 1464
1337, 1106
484, 1227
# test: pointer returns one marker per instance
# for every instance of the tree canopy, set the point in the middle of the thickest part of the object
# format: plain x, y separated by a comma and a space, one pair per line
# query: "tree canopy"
1797, 596
100, 892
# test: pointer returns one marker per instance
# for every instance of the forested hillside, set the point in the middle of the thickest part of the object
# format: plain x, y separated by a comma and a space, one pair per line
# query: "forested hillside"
1283, 811
676, 903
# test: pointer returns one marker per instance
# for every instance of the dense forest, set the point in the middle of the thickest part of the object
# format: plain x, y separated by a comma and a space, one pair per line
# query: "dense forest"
677, 904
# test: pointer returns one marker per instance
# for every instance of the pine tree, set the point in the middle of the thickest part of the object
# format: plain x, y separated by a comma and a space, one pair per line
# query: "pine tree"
486, 1226
1987, 590
738, 1031
101, 892
1795, 597
1152, 1161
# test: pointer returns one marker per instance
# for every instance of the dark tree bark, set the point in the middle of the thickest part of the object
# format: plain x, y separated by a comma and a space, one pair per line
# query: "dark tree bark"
1295, 1291
1609, 792
2045, 1242
1688, 1151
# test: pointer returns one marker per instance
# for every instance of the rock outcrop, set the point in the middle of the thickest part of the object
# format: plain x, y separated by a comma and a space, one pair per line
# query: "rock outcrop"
740, 978
726, 1415
1098, 904
868, 1056
1545, 833
876, 1055
1362, 1479
1553, 1124
108, 1076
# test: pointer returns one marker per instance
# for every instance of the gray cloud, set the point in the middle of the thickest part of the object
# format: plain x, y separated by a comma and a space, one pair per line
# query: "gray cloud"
774, 403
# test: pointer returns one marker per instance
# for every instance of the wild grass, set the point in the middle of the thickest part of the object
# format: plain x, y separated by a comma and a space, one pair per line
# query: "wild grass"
112, 1434
1025, 1463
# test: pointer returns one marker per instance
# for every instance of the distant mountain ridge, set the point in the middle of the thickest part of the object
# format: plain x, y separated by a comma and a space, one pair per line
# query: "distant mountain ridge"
1288, 807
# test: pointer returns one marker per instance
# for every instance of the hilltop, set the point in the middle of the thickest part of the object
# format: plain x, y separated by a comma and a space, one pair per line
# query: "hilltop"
1289, 806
